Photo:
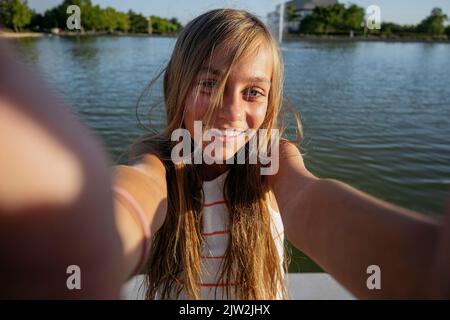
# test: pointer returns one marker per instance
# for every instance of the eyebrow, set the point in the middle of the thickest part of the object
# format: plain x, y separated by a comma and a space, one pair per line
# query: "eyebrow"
218, 72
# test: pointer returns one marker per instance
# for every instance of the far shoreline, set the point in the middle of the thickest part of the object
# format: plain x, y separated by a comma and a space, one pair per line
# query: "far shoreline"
15, 35
286, 38
313, 38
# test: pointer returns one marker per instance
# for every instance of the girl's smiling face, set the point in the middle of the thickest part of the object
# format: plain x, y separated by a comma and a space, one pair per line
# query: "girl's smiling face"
245, 98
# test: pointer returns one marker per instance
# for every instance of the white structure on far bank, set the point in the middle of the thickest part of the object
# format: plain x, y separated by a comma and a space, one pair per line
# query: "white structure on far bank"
302, 8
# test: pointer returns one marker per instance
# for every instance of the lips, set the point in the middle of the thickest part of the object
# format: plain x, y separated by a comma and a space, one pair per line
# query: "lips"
227, 134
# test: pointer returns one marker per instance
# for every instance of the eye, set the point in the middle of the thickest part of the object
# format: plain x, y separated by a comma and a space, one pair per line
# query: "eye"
207, 84
252, 93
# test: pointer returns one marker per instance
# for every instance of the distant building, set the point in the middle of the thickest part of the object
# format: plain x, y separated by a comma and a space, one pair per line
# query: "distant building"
302, 9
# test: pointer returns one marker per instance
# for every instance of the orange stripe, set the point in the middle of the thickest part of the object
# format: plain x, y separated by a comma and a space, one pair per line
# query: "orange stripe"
215, 233
213, 203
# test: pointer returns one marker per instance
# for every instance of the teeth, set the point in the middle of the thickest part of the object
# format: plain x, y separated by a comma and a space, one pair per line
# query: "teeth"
229, 132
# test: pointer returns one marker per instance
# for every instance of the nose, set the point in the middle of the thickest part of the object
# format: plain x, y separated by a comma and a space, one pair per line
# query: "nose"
233, 108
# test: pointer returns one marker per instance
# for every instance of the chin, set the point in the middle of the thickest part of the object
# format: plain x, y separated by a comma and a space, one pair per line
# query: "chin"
229, 154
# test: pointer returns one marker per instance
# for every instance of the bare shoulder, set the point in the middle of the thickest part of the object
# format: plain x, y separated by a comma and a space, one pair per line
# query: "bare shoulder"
152, 166
145, 183
149, 170
290, 153
291, 164
292, 177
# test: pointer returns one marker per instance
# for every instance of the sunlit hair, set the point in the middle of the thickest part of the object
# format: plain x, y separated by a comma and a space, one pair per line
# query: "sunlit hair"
251, 260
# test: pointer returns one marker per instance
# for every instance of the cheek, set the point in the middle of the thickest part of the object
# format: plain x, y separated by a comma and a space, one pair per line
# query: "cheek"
195, 111
256, 116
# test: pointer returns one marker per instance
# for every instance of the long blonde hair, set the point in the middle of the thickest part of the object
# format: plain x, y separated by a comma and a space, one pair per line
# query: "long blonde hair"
251, 260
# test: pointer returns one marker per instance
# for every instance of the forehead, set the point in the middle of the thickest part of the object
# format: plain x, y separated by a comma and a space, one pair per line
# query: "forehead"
256, 64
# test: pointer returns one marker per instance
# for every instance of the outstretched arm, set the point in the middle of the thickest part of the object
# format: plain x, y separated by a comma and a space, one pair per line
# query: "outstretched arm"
56, 206
140, 197
345, 231
439, 278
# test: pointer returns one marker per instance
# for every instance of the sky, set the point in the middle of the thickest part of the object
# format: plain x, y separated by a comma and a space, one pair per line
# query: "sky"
398, 11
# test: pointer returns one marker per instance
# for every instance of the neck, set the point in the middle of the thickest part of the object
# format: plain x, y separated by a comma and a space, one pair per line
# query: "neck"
212, 171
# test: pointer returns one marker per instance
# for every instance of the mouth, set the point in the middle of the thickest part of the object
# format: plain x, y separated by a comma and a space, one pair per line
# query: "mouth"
228, 134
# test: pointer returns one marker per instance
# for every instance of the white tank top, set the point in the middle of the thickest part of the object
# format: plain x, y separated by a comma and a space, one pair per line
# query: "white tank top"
215, 233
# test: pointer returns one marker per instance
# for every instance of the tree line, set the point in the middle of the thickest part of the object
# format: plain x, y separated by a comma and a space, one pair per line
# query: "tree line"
339, 19
16, 15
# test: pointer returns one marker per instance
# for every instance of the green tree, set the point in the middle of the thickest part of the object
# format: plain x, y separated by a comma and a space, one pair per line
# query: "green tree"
176, 25
291, 13
159, 25
353, 18
138, 23
163, 26
95, 18
433, 24
447, 31
333, 19
37, 20
323, 15
336, 19
389, 28
52, 19
311, 25
123, 22
15, 13
90, 16
57, 16
110, 19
